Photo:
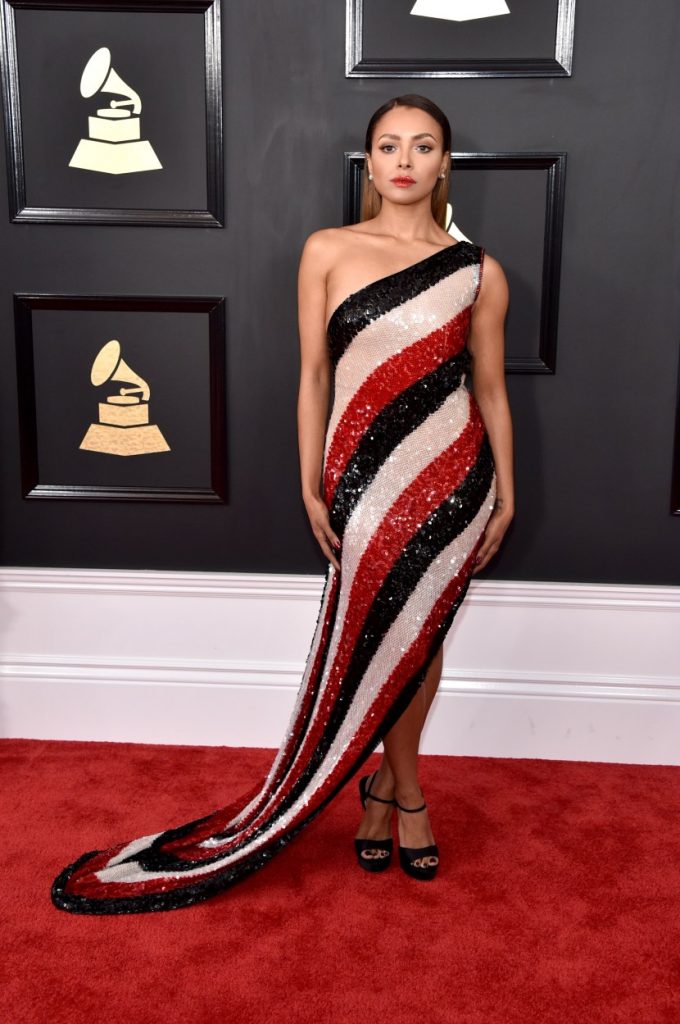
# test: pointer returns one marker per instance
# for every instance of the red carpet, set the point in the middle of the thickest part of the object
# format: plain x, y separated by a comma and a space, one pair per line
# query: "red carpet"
557, 899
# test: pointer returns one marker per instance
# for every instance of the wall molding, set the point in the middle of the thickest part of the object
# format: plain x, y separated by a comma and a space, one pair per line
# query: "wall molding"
573, 671
160, 582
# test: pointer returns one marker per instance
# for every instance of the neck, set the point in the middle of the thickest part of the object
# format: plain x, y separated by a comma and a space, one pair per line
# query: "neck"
406, 223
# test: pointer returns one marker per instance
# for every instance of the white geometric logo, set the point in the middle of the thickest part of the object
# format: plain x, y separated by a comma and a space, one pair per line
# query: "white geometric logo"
114, 144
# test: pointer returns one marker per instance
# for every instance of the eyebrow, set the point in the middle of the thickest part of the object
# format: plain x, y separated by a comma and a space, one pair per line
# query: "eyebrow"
422, 135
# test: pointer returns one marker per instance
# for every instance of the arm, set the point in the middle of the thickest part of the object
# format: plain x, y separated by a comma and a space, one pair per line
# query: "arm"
486, 345
314, 390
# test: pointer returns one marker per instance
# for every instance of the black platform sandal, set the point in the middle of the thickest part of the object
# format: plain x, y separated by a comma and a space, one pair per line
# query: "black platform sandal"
408, 855
373, 854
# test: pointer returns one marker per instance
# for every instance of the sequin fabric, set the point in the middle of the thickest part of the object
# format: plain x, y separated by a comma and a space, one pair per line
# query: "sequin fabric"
409, 481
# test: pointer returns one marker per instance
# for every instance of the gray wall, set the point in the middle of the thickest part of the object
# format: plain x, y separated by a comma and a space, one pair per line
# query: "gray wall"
594, 442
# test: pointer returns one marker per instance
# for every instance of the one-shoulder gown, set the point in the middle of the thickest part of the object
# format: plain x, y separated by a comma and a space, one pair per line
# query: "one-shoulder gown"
409, 479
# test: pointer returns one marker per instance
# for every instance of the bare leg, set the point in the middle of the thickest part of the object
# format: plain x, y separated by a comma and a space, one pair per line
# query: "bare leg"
398, 772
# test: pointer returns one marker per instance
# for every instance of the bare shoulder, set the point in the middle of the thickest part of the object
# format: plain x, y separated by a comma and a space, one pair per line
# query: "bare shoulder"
325, 246
492, 268
494, 285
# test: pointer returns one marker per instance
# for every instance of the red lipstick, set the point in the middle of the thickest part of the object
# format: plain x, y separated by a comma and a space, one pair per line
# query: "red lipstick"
403, 181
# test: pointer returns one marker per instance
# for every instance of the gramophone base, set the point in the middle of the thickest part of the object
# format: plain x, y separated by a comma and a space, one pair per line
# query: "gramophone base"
115, 157
124, 440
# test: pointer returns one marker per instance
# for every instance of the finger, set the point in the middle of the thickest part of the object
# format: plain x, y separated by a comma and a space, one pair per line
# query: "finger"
485, 555
333, 559
326, 548
333, 556
325, 527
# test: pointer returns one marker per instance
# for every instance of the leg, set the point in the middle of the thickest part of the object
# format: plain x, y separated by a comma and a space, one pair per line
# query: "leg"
398, 772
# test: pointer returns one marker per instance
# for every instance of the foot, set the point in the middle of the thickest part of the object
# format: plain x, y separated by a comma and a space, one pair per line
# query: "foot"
377, 818
414, 828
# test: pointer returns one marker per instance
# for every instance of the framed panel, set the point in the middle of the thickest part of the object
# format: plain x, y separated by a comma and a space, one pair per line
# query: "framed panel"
121, 397
388, 39
103, 128
513, 204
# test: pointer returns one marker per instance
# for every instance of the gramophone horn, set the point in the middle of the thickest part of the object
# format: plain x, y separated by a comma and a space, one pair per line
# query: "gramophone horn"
99, 76
108, 365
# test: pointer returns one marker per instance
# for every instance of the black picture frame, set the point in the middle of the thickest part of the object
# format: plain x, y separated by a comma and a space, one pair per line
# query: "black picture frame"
675, 472
26, 304
554, 165
19, 210
557, 65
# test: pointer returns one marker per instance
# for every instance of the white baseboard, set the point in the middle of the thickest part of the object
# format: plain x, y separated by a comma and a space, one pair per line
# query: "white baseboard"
567, 671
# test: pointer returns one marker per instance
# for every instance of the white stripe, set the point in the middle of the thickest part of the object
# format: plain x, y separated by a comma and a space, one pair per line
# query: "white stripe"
134, 847
410, 322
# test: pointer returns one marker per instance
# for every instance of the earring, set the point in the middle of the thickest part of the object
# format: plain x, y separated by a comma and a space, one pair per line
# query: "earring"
370, 177
443, 174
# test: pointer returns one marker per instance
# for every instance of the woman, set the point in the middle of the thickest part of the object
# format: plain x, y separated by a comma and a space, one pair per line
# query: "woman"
408, 495
405, 191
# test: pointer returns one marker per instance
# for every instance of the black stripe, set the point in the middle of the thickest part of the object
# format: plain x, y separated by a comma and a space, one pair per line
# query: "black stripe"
375, 299
392, 424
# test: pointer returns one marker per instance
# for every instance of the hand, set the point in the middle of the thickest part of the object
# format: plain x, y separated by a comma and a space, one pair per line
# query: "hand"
498, 523
321, 528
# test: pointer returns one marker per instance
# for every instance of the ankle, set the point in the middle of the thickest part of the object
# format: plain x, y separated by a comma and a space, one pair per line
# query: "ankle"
409, 795
382, 785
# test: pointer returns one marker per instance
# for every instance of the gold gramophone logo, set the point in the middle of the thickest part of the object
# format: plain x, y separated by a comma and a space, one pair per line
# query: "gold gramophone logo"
114, 144
123, 427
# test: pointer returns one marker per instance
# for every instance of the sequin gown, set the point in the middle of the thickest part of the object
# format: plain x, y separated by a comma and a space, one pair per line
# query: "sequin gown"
409, 480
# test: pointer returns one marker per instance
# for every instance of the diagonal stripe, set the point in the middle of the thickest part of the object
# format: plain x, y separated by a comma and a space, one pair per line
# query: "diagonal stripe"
384, 385
394, 291
393, 423
385, 336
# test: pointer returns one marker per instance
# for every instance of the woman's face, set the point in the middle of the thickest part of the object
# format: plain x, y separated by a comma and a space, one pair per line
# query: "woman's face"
406, 155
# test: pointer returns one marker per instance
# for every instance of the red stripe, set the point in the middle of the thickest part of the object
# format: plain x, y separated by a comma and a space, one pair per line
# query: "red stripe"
382, 386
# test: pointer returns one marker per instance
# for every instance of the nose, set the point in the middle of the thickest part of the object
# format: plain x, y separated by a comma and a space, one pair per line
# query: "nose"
404, 159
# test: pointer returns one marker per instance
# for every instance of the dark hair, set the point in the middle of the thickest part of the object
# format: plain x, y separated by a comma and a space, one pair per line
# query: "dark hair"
371, 200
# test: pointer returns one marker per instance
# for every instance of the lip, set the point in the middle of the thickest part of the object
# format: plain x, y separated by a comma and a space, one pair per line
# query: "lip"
403, 181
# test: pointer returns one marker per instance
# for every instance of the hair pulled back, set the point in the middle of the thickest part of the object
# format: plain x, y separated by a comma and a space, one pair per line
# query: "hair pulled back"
371, 200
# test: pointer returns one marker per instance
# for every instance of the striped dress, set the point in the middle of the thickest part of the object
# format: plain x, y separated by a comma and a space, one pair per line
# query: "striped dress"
409, 480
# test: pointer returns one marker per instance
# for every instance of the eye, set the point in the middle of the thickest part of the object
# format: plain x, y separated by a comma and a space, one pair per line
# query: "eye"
424, 146
386, 146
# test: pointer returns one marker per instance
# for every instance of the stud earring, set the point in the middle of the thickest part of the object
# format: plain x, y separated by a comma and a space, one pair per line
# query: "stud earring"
443, 174
370, 177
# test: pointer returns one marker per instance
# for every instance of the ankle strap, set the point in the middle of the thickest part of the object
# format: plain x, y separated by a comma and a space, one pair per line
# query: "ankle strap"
410, 810
380, 799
